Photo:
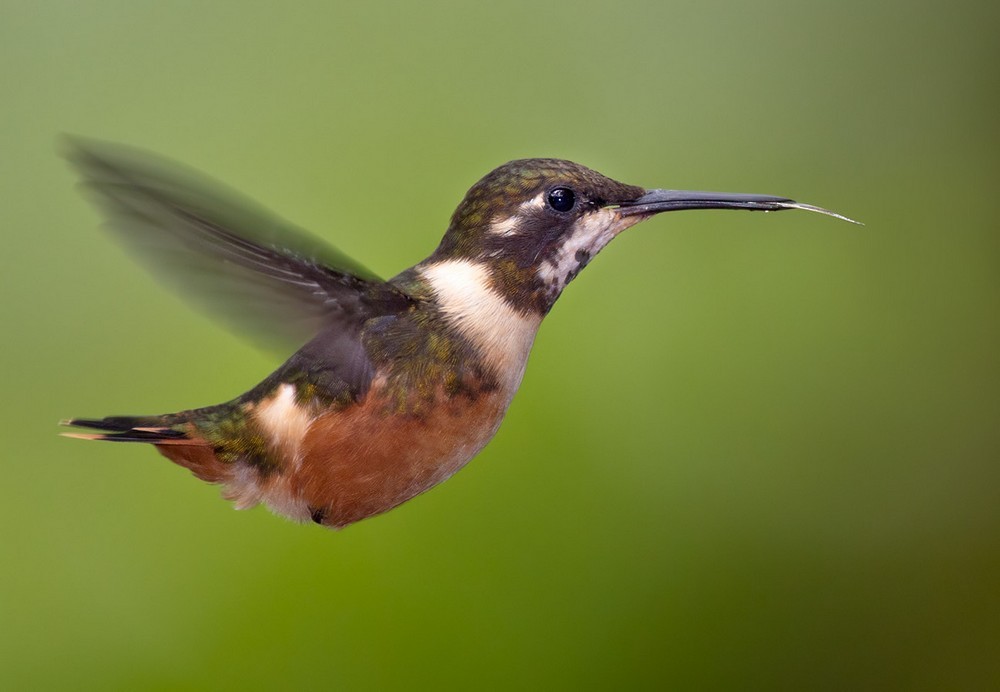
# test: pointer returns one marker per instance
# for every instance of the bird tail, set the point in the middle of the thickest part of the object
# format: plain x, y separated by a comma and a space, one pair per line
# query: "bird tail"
158, 430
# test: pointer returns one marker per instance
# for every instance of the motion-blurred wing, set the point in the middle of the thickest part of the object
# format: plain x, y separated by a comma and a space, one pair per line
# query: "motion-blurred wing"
261, 275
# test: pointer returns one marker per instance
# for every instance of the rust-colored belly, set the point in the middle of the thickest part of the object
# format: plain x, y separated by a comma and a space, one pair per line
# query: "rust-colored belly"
363, 461
359, 461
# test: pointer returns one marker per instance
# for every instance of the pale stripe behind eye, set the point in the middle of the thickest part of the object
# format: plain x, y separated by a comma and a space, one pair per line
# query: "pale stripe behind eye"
507, 225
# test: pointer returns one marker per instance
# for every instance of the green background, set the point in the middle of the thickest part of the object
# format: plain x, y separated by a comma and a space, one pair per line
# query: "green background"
750, 451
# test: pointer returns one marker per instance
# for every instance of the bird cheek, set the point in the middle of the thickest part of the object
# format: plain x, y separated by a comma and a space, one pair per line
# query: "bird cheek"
620, 223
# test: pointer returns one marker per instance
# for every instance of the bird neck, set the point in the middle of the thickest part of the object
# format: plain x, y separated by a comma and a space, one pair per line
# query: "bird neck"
466, 295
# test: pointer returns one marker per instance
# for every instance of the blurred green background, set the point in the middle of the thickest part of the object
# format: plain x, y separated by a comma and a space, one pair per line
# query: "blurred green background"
750, 451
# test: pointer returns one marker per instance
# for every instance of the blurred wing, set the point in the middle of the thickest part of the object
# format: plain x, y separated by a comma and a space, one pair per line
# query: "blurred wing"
262, 276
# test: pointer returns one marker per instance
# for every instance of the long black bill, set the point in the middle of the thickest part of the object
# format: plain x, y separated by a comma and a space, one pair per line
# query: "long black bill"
656, 201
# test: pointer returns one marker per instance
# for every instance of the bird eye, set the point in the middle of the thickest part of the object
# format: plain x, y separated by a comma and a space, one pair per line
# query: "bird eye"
562, 199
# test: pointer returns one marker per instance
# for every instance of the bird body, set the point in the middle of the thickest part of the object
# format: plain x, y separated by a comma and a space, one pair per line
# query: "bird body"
401, 382
430, 401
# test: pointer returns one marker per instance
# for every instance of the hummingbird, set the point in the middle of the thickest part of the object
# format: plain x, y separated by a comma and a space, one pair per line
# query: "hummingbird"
400, 382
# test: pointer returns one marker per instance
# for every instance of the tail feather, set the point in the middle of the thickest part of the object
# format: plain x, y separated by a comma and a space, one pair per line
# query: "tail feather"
130, 429
174, 435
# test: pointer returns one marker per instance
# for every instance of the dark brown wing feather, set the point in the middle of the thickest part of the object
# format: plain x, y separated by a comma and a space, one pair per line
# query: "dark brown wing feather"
261, 275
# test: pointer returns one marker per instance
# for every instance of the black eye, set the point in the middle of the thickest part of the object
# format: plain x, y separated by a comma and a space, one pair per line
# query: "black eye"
562, 199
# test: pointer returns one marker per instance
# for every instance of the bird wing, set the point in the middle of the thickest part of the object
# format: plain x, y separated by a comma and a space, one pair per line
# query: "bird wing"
264, 277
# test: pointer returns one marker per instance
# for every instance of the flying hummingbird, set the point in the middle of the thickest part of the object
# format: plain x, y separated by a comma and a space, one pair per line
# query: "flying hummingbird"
400, 382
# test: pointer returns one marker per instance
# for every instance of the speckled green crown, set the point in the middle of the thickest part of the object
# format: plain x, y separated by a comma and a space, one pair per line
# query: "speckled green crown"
500, 192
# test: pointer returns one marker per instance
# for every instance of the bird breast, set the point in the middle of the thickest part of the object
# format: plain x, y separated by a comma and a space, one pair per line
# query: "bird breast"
367, 458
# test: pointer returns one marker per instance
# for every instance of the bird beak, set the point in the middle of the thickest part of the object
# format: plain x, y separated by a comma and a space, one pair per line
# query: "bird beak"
656, 201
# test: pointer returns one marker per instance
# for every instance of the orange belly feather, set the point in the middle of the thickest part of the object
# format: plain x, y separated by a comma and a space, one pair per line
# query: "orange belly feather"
359, 461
